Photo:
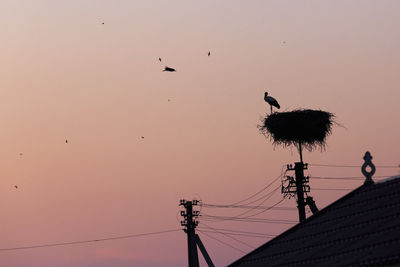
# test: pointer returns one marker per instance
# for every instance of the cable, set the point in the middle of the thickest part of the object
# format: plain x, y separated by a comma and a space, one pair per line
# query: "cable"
332, 189
260, 211
234, 234
246, 217
249, 216
228, 235
89, 241
261, 190
350, 166
233, 218
222, 242
257, 221
255, 194
246, 207
240, 233
268, 196
345, 178
264, 196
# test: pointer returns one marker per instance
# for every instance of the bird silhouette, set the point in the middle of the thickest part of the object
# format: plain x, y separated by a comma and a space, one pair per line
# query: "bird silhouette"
16, 186
102, 23
66, 141
142, 137
209, 53
159, 59
271, 101
20, 154
169, 69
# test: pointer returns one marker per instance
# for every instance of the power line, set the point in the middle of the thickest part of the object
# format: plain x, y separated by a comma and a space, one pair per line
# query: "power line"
263, 210
254, 221
237, 218
89, 241
332, 189
261, 220
262, 189
229, 235
222, 242
258, 192
345, 177
235, 234
243, 232
246, 207
268, 196
350, 166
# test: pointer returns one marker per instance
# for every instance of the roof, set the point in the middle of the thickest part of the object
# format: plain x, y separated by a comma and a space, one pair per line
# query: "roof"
360, 229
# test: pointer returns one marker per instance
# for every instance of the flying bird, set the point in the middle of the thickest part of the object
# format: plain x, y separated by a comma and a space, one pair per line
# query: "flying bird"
20, 154
159, 59
16, 186
271, 101
102, 23
169, 69
209, 53
66, 141
142, 137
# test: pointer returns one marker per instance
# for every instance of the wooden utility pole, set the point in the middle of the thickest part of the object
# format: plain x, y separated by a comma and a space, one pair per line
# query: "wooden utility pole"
193, 240
297, 187
299, 173
190, 223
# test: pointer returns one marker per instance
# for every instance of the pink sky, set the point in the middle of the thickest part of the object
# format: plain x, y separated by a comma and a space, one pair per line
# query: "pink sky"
65, 75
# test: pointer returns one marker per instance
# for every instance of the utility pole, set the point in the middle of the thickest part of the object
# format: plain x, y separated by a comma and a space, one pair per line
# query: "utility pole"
193, 240
190, 223
299, 173
298, 187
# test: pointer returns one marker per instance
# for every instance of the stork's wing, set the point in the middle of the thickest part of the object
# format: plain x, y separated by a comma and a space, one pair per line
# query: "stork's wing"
272, 101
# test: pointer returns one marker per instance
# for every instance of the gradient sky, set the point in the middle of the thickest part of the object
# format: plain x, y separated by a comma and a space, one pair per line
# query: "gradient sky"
65, 75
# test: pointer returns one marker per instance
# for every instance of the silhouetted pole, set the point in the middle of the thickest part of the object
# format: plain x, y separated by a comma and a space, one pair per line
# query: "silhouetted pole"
299, 172
300, 152
298, 186
193, 240
311, 203
190, 225
204, 251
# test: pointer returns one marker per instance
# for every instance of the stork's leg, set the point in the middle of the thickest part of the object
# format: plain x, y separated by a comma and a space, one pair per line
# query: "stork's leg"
271, 108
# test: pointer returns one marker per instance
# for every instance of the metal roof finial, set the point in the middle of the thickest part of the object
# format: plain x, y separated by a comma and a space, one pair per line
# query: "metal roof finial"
368, 163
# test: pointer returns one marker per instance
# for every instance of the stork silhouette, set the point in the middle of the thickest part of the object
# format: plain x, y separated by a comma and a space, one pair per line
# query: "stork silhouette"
271, 101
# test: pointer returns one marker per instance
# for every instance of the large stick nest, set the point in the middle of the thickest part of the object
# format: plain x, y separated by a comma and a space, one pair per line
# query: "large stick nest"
305, 126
